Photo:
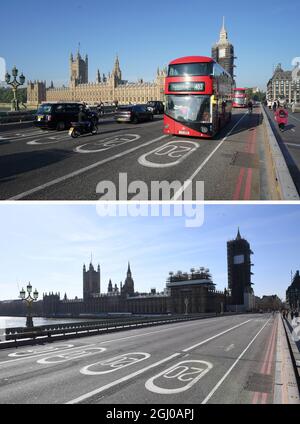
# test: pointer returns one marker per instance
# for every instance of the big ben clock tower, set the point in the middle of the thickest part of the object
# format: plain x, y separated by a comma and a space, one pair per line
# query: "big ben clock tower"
223, 51
239, 269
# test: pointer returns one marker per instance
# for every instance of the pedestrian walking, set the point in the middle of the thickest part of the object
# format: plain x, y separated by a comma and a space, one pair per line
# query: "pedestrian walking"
274, 106
292, 315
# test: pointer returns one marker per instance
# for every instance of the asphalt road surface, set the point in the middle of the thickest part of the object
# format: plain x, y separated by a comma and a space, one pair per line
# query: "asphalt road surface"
289, 141
219, 360
36, 165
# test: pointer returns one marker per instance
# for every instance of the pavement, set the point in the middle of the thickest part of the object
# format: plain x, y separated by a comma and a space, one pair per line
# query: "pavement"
36, 165
222, 360
289, 142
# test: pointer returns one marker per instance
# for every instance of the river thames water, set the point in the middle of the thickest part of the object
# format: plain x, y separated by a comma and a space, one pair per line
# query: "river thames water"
12, 322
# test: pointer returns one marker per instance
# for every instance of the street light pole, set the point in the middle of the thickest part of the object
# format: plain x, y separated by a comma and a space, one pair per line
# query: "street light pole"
186, 301
29, 300
15, 84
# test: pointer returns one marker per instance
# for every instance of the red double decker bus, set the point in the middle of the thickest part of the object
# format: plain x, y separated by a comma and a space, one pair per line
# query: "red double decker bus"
240, 98
198, 97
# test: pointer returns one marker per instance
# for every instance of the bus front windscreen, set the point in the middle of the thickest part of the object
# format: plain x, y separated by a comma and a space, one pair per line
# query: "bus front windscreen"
191, 69
240, 101
189, 109
240, 93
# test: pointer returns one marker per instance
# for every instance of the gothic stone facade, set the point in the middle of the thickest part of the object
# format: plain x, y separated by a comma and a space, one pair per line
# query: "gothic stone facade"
182, 296
106, 89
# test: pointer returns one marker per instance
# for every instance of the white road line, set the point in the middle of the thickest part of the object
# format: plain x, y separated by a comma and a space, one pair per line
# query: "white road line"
179, 193
121, 380
229, 348
23, 137
83, 170
172, 327
292, 144
233, 366
217, 335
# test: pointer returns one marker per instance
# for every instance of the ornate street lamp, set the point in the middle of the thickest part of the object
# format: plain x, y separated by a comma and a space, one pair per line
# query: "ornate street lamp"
29, 300
15, 84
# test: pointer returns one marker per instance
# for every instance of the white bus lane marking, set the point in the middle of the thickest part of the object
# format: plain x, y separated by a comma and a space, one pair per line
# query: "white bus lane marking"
107, 144
81, 171
121, 380
33, 352
183, 376
115, 364
170, 154
58, 359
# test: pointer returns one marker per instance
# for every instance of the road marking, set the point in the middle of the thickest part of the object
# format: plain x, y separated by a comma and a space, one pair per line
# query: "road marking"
258, 395
292, 144
171, 327
229, 348
23, 137
189, 181
115, 364
217, 335
189, 372
107, 143
121, 380
171, 150
45, 143
58, 359
209, 396
85, 169
38, 351
42, 354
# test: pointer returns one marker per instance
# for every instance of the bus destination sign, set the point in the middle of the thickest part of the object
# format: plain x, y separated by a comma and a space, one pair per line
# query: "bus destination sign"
187, 86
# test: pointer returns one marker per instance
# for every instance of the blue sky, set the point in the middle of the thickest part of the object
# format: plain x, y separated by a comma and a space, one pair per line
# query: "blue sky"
40, 37
48, 244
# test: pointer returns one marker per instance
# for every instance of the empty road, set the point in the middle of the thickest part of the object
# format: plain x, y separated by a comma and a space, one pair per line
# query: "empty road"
217, 360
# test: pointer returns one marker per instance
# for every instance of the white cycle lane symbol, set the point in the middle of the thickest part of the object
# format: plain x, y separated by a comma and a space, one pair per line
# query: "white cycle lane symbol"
115, 364
183, 376
107, 144
65, 357
34, 352
53, 140
170, 154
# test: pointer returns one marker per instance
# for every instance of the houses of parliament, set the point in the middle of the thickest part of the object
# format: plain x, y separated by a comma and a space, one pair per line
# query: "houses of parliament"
113, 88
109, 88
191, 292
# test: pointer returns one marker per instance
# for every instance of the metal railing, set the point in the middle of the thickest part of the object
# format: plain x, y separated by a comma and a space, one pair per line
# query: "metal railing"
88, 328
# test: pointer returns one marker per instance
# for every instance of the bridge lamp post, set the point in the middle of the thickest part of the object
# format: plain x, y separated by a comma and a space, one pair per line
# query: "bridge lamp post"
15, 84
186, 302
29, 300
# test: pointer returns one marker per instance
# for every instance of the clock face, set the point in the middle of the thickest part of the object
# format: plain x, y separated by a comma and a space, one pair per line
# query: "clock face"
238, 260
222, 53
